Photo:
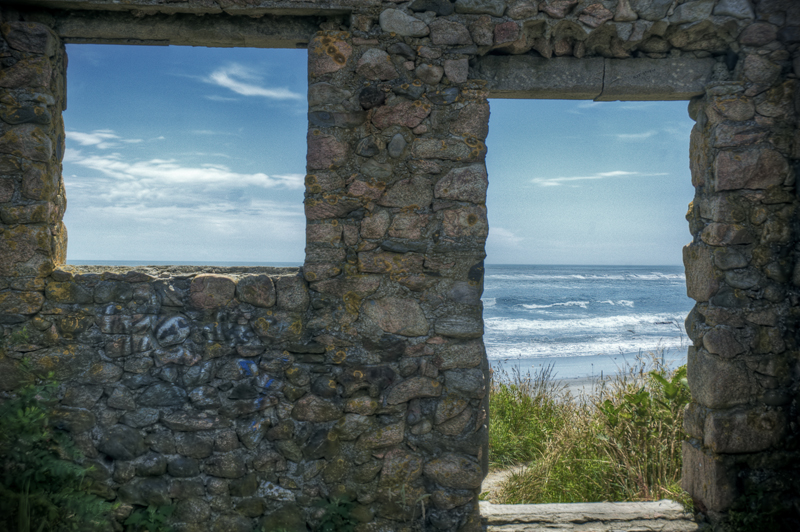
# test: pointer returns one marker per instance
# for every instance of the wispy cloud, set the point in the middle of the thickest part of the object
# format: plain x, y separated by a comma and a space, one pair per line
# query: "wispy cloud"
503, 236
636, 136
215, 98
557, 181
166, 172
242, 80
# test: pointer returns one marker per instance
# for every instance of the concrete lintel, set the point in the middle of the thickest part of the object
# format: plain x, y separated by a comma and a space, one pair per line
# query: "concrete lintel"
595, 78
530, 77
255, 8
222, 30
678, 78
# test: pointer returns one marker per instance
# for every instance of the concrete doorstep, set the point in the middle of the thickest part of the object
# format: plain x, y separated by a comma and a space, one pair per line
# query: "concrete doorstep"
662, 516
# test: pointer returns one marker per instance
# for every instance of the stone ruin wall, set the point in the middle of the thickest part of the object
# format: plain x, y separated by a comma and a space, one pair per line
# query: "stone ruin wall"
244, 395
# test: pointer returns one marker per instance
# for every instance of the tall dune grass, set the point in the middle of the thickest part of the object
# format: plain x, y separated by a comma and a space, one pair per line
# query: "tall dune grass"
621, 442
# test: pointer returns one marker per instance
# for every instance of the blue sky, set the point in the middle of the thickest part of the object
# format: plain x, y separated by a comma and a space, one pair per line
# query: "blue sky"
178, 154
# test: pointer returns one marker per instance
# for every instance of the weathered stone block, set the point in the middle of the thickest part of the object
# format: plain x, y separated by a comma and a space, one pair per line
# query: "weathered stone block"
468, 221
122, 443
413, 388
324, 151
751, 169
716, 382
327, 54
744, 430
383, 437
397, 316
30, 72
316, 409
395, 21
375, 64
701, 281
209, 291
464, 184
708, 479
228, 465
454, 471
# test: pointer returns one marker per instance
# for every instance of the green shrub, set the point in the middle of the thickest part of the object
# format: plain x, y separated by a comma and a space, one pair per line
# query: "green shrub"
621, 443
42, 488
152, 519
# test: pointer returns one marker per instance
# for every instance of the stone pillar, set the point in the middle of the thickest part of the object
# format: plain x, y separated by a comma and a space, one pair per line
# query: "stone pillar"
395, 207
741, 268
32, 201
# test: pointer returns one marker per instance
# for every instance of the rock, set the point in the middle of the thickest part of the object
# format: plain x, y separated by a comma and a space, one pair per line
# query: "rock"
759, 69
408, 226
400, 468
145, 492
316, 409
74, 420
30, 37
152, 465
257, 290
758, 34
454, 471
122, 399
183, 467
30, 72
430, 74
292, 293
752, 169
327, 54
352, 425
734, 8
447, 33
449, 149
722, 341
708, 478
67, 362
450, 407
395, 21
162, 394
194, 445
469, 382
521, 9
397, 146
397, 316
716, 382
210, 291
595, 15
652, 9
496, 8
413, 388
122, 443
692, 11
376, 170
184, 421
232, 523
192, 510
140, 417
371, 97
402, 113
383, 437
376, 64
442, 8
68, 292
467, 221
172, 330
325, 93
701, 281
14, 302
324, 151
375, 226
464, 184
624, 13
228, 465
557, 8
443, 97
415, 192
457, 70
461, 355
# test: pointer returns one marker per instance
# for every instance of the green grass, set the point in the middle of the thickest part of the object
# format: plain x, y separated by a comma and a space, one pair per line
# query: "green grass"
620, 443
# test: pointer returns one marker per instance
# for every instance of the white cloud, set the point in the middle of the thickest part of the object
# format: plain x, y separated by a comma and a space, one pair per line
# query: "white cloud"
215, 98
99, 138
557, 181
167, 172
240, 80
503, 236
636, 136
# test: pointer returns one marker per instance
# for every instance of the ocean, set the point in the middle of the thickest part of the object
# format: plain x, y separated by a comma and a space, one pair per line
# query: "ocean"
583, 320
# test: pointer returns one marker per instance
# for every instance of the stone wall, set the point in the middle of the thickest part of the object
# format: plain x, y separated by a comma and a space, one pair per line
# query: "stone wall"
247, 395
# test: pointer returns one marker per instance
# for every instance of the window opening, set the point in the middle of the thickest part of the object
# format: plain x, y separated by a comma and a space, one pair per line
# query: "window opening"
586, 209
182, 155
